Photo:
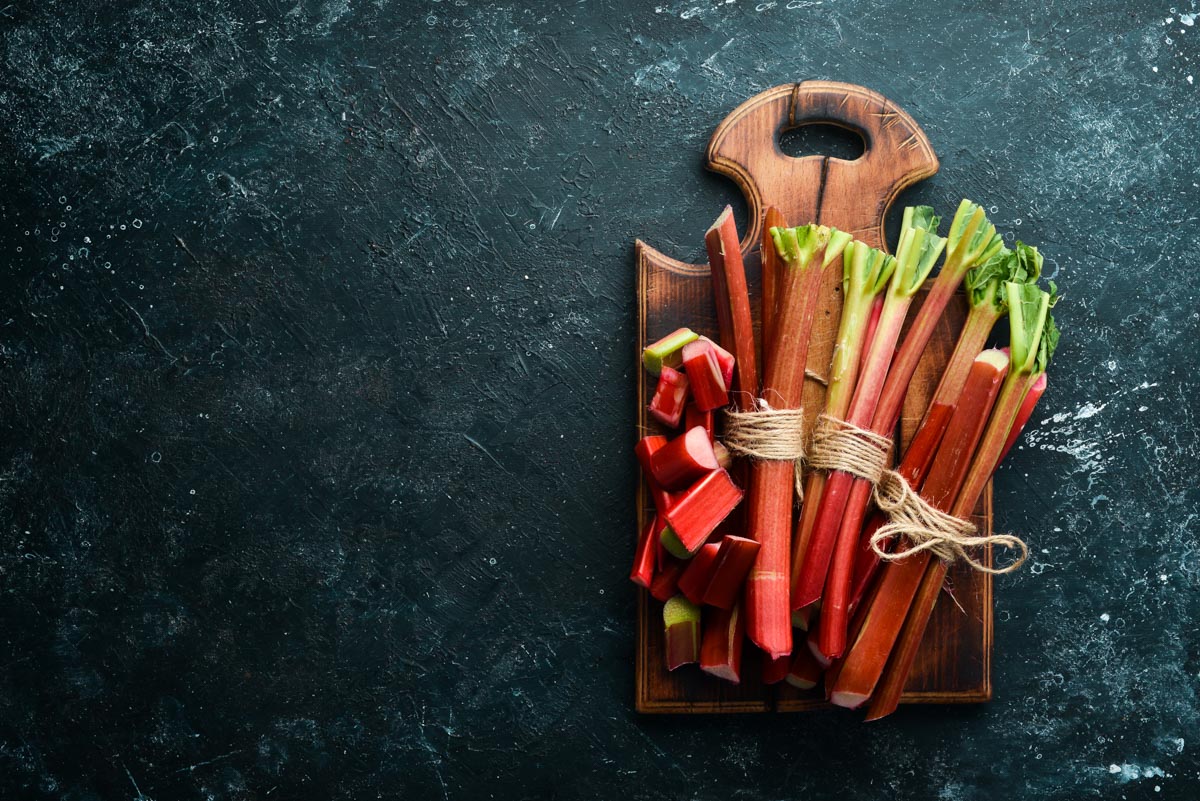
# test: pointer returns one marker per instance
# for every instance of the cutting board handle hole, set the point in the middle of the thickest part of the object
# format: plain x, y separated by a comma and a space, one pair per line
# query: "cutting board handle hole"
822, 139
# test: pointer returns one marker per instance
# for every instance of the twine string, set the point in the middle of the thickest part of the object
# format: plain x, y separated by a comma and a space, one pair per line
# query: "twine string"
768, 434
839, 445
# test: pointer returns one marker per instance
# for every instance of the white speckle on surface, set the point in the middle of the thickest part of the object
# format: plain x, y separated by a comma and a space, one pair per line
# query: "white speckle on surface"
1154, 69
1188, 19
1190, 79
1104, 618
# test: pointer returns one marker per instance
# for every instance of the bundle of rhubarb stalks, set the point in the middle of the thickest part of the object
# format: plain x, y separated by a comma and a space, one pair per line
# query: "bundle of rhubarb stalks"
834, 562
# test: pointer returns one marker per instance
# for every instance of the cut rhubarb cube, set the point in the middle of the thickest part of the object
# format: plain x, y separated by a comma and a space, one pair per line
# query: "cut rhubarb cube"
698, 512
666, 352
644, 450
734, 559
671, 544
725, 359
684, 460
666, 578
704, 376
670, 397
721, 646
643, 559
694, 580
681, 618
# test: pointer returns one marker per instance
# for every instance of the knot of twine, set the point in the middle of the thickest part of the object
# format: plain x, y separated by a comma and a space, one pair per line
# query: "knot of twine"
839, 445
774, 435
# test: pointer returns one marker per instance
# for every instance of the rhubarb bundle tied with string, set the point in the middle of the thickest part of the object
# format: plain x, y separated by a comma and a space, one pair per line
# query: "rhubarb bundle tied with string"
726, 578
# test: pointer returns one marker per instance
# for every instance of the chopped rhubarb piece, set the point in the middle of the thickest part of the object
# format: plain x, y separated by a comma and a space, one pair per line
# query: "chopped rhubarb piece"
721, 646
643, 450
670, 397
671, 544
643, 560
666, 578
698, 512
776, 670
704, 375
725, 360
805, 672
681, 618
724, 457
699, 570
693, 417
667, 351
684, 460
735, 557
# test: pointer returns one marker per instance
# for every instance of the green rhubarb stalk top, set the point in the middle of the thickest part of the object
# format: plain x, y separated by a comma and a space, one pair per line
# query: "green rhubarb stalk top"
972, 239
865, 270
797, 246
1032, 333
918, 250
985, 283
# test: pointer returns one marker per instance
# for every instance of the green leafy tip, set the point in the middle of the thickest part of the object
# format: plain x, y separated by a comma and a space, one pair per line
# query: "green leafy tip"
866, 269
1028, 311
835, 243
1049, 340
972, 240
918, 250
983, 283
796, 246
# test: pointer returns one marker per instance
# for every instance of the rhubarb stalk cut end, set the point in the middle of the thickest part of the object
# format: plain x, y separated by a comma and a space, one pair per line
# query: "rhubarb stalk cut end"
667, 351
681, 618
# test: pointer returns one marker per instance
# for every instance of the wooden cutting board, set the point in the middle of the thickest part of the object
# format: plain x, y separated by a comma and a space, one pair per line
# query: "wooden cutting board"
954, 665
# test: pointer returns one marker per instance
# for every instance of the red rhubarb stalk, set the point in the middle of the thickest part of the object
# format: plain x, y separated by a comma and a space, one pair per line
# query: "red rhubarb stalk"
872, 326
919, 248
681, 618
684, 460
695, 578
770, 275
865, 661
704, 376
724, 457
866, 272
732, 299
670, 397
1024, 413
696, 513
730, 568
1034, 338
725, 359
805, 253
721, 646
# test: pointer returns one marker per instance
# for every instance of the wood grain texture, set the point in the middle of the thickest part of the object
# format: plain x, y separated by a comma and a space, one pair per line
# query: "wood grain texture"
954, 663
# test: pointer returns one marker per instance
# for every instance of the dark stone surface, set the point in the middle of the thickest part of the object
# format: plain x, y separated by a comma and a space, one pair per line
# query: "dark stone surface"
315, 401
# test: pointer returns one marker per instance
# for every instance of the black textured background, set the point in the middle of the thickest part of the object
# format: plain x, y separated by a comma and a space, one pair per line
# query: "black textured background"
316, 406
